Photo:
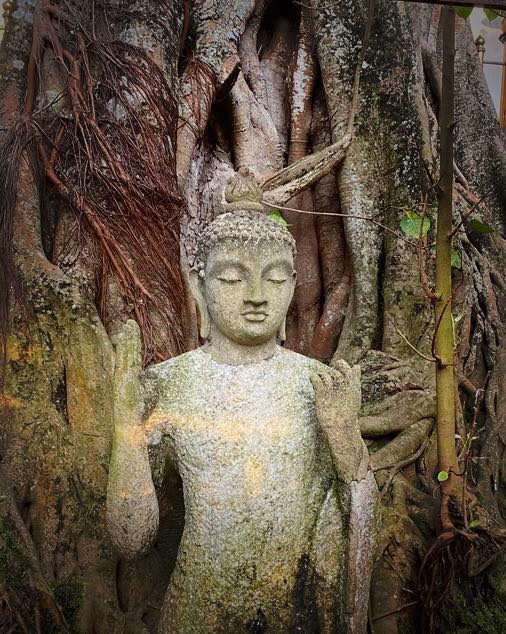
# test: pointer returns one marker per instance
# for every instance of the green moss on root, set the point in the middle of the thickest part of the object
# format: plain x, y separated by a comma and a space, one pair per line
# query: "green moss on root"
14, 564
69, 596
475, 608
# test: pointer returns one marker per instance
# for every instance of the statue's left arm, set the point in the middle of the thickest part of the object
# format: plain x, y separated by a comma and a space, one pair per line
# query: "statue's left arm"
338, 400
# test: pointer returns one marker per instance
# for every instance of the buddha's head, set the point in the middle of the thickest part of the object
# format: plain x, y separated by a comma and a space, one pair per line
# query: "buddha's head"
245, 278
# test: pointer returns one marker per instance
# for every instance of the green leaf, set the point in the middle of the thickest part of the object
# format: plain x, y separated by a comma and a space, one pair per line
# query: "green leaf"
491, 14
442, 476
455, 260
478, 226
463, 12
474, 524
411, 224
277, 217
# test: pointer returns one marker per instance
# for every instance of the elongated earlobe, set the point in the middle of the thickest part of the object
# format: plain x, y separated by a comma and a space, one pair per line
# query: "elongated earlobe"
282, 328
282, 331
198, 294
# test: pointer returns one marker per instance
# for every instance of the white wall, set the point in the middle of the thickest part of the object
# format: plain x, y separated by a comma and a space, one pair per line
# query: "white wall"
491, 31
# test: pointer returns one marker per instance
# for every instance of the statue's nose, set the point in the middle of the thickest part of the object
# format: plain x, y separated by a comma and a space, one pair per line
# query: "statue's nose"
256, 302
255, 295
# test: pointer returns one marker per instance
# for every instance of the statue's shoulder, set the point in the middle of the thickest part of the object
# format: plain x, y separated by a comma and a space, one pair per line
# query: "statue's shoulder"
300, 361
313, 365
164, 370
168, 376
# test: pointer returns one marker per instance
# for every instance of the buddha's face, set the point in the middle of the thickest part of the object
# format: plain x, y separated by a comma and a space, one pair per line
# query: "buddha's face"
248, 289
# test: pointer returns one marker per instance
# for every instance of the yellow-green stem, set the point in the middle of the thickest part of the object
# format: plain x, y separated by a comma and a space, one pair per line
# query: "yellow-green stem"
444, 340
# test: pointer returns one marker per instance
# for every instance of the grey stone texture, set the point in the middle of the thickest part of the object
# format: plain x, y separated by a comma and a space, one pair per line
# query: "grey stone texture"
279, 497
262, 506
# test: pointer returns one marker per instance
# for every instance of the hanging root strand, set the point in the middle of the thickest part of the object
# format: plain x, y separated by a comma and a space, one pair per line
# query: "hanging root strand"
115, 166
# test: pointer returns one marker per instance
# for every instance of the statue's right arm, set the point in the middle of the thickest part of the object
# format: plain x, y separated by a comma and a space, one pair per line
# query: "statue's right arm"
132, 506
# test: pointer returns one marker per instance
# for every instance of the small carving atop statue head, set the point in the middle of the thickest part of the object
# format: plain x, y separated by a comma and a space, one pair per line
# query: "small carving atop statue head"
245, 274
243, 192
244, 220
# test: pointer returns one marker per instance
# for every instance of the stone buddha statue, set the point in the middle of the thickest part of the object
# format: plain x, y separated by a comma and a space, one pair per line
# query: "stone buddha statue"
279, 497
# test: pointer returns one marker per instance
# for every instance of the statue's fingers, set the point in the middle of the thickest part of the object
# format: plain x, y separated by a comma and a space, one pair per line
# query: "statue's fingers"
128, 348
316, 381
332, 379
356, 373
341, 368
327, 380
321, 381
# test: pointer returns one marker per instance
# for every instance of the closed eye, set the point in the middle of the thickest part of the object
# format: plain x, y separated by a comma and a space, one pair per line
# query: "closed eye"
276, 280
230, 280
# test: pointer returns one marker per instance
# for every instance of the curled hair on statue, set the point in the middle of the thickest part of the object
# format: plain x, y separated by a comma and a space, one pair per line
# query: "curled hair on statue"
243, 219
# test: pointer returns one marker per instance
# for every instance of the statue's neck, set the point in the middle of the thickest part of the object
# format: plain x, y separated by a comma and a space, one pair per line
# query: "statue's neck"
224, 350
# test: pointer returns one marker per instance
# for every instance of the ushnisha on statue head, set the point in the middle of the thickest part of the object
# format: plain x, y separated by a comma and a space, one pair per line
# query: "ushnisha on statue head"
244, 276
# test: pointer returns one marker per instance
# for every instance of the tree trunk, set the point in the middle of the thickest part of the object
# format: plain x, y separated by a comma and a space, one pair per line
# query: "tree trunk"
99, 170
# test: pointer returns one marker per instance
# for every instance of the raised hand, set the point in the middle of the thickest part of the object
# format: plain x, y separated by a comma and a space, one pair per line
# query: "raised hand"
338, 393
128, 399
132, 507
337, 400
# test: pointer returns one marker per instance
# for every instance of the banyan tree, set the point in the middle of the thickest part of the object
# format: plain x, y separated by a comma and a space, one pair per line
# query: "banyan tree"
121, 125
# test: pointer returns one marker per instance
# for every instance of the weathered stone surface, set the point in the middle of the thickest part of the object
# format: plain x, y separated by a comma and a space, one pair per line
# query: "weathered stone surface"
257, 476
279, 497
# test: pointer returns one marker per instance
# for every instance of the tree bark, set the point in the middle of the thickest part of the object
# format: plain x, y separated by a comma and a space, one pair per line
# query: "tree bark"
359, 293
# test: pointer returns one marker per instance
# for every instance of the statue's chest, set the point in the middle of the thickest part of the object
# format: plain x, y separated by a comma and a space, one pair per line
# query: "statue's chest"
254, 420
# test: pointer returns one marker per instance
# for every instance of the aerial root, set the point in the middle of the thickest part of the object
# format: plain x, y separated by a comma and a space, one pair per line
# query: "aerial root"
116, 167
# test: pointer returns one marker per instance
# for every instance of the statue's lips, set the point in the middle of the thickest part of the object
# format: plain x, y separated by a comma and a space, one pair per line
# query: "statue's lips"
255, 316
